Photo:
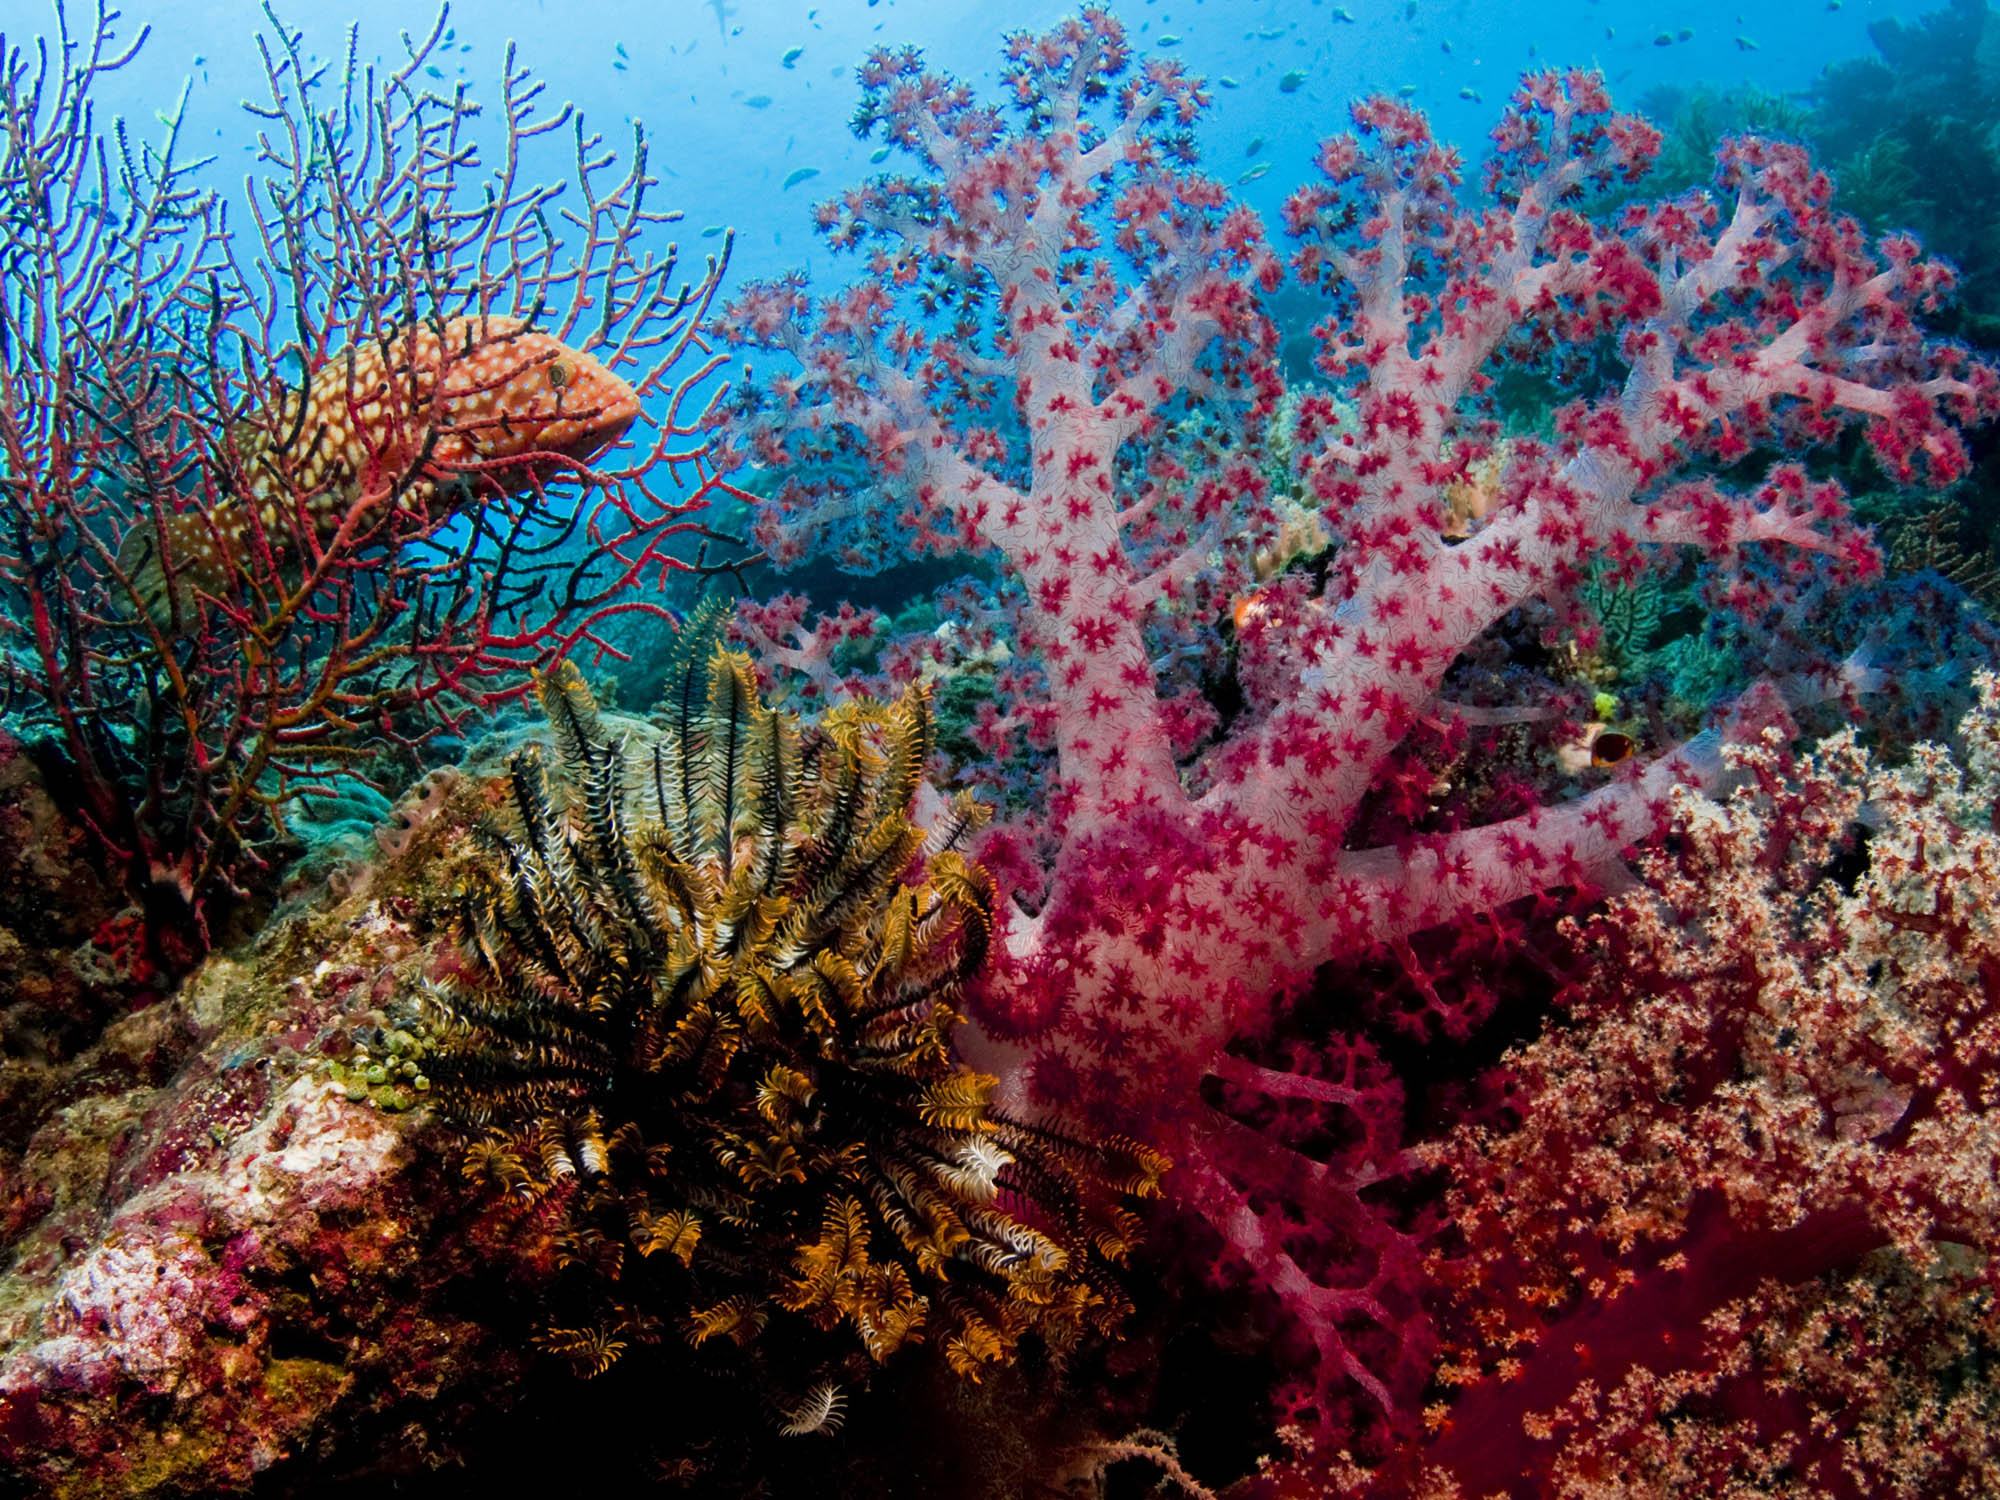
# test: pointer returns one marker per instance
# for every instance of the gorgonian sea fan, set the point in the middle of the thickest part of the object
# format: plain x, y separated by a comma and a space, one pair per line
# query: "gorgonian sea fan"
280, 506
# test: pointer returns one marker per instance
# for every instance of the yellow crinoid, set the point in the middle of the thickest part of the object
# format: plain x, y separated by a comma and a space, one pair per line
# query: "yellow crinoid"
703, 1022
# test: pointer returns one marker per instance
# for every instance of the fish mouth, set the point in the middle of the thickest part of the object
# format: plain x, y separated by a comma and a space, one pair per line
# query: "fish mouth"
593, 445
589, 439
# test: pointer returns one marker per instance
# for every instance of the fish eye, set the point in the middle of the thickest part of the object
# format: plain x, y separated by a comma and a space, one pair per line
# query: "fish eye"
559, 374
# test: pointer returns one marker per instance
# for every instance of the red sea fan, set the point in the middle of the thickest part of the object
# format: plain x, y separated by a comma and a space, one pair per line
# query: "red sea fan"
239, 571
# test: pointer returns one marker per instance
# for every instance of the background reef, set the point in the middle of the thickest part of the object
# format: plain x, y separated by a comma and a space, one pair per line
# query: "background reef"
1175, 843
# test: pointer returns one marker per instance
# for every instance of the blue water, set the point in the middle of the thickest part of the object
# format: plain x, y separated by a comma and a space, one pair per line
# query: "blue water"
694, 78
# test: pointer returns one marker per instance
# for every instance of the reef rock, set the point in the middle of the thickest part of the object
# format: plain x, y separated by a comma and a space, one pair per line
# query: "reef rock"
224, 1239
59, 926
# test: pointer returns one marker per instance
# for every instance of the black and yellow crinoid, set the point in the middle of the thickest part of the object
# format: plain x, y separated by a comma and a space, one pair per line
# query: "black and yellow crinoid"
702, 1027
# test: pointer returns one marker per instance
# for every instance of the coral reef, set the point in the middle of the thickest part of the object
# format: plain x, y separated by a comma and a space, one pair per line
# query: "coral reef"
1737, 1225
1928, 542
67, 952
1910, 131
239, 1250
1328, 682
224, 590
1057, 355
216, 1258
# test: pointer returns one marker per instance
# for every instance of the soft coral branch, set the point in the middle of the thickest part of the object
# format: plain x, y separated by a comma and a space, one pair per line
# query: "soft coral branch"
1765, 1081
1060, 359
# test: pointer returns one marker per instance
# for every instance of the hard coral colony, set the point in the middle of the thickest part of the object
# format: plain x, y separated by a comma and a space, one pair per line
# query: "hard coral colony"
760, 1055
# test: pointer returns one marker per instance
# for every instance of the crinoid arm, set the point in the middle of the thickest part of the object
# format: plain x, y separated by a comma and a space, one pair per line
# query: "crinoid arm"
709, 979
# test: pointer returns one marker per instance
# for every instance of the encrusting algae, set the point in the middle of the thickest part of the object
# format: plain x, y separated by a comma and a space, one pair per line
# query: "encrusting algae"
702, 1022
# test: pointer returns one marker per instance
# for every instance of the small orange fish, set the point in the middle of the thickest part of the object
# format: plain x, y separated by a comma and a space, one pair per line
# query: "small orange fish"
1248, 608
513, 403
1611, 747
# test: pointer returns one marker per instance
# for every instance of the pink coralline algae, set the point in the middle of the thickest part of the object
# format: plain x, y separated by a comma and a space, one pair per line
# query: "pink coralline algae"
1059, 356
141, 1304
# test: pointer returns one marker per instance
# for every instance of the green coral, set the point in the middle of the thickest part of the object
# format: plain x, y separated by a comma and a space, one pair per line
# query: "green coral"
1627, 613
386, 1068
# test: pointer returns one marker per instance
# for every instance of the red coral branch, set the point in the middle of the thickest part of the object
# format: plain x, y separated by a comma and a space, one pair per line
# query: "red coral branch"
231, 576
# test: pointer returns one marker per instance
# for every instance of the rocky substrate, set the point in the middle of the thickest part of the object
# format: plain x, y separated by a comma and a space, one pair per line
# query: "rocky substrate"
226, 1236
237, 1255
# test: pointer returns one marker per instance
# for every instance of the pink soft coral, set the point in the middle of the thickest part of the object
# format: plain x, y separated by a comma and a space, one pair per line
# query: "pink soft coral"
1743, 1229
1060, 357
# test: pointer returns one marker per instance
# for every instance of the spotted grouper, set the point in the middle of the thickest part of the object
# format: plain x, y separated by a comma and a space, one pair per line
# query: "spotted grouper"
438, 418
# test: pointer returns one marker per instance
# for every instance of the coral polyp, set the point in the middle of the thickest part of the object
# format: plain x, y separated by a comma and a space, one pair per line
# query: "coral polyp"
702, 1027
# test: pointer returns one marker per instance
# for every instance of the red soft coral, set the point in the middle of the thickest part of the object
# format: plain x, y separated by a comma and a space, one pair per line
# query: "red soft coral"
1061, 361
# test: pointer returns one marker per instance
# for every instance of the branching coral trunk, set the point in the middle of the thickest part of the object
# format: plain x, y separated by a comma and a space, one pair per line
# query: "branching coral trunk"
1060, 357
